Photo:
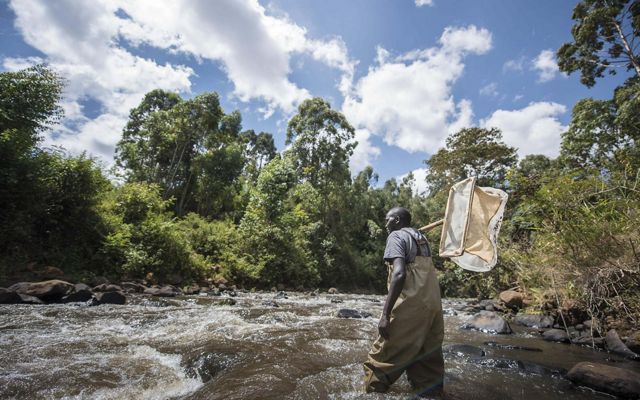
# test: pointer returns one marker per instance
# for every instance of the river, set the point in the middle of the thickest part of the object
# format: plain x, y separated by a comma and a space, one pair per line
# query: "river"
193, 348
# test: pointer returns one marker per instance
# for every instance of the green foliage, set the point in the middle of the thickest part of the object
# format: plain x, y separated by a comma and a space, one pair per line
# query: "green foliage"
604, 37
143, 238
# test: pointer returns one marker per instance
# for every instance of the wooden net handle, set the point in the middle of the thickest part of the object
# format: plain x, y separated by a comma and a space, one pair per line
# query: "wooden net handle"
431, 225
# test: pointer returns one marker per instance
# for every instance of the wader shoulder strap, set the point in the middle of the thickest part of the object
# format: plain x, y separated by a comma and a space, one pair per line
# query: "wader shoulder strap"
419, 240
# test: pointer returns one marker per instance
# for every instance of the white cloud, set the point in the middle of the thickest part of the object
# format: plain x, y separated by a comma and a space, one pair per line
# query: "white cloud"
419, 184
514, 65
408, 101
546, 66
534, 129
420, 3
364, 152
490, 89
84, 42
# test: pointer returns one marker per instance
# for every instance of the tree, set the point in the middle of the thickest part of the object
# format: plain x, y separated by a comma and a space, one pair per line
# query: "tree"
604, 37
604, 133
322, 141
475, 152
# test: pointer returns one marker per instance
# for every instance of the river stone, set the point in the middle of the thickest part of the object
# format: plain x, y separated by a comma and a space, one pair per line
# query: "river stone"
227, 302
587, 340
9, 297
132, 287
488, 321
336, 301
463, 350
47, 291
165, 291
107, 287
282, 295
111, 298
26, 299
81, 295
191, 289
98, 280
615, 345
534, 320
605, 378
332, 291
511, 299
555, 335
349, 313
511, 346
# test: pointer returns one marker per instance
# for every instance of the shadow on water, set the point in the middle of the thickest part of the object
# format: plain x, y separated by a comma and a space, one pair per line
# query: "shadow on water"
194, 348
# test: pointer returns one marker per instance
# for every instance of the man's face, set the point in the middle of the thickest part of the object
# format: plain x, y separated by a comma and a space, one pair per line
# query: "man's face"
392, 222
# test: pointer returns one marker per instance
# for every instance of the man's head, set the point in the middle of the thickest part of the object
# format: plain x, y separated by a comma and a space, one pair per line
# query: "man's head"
397, 218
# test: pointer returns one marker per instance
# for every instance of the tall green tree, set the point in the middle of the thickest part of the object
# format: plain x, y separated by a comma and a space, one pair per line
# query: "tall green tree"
605, 37
475, 152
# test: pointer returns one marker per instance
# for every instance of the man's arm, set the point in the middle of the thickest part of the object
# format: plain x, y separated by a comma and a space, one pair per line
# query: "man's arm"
395, 288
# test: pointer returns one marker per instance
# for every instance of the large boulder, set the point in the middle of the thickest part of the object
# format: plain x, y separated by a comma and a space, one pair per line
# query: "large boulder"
488, 321
9, 297
605, 378
111, 298
615, 345
349, 313
556, 335
47, 291
81, 293
511, 299
534, 320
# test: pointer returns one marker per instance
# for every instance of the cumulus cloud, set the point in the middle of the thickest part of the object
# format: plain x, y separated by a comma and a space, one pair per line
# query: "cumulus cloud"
514, 65
407, 99
534, 129
546, 66
421, 3
94, 45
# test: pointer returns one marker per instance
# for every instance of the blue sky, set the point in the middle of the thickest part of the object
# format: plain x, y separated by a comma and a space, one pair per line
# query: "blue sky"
406, 73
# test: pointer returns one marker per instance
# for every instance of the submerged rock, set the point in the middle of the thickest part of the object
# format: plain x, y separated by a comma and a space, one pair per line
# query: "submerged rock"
281, 295
336, 301
270, 303
534, 320
511, 346
605, 378
555, 335
464, 350
227, 302
615, 345
488, 321
349, 313
519, 365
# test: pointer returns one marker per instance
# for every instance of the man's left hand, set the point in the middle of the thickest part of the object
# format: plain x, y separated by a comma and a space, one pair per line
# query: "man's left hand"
383, 327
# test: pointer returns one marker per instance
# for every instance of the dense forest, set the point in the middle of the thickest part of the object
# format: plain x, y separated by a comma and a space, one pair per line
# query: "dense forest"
195, 196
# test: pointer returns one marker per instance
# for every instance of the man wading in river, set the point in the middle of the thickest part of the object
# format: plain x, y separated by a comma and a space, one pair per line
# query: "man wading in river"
411, 327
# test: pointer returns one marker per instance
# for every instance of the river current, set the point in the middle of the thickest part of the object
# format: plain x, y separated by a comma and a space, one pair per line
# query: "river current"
194, 348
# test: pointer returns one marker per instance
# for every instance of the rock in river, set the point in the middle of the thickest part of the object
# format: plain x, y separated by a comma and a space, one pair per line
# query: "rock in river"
349, 313
48, 291
111, 298
605, 378
9, 297
165, 291
534, 320
615, 345
555, 335
463, 350
488, 321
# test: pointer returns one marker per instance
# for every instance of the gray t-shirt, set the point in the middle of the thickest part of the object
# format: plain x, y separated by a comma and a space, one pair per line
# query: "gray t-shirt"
403, 243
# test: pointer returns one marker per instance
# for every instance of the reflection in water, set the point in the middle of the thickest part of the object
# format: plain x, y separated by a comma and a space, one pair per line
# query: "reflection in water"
192, 348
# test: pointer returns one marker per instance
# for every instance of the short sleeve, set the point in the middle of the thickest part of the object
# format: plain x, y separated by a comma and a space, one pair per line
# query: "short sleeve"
396, 247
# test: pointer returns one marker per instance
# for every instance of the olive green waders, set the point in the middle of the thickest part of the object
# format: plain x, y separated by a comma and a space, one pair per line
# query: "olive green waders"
416, 332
